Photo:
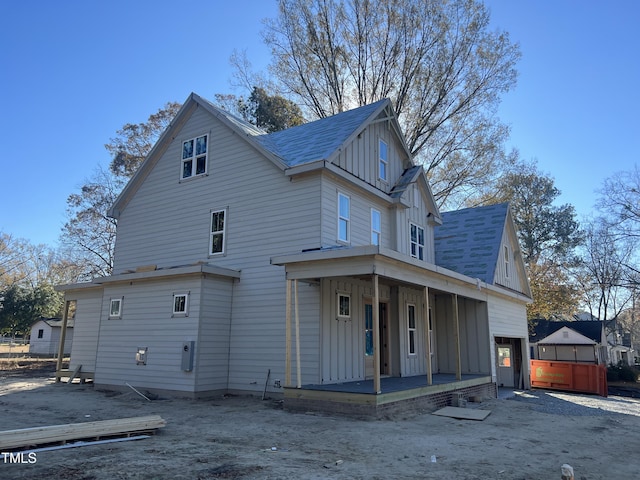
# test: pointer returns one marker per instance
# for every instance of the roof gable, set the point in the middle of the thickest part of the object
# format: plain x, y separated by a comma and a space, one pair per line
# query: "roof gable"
468, 241
566, 336
544, 329
318, 140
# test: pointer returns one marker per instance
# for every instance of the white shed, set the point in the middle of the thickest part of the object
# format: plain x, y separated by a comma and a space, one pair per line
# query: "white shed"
45, 336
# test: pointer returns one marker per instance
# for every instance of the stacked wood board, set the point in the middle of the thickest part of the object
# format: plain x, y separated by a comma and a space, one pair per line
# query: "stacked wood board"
56, 434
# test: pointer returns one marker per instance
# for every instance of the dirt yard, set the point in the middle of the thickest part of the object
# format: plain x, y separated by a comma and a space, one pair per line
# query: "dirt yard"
528, 437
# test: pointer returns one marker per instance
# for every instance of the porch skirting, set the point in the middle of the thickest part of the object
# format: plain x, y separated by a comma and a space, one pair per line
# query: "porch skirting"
350, 400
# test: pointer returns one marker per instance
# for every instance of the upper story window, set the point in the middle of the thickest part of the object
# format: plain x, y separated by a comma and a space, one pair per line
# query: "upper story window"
506, 261
194, 157
383, 160
376, 228
416, 241
344, 218
217, 234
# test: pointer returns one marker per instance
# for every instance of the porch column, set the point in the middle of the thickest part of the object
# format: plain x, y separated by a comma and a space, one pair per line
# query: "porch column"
376, 336
295, 301
456, 334
63, 335
287, 361
427, 337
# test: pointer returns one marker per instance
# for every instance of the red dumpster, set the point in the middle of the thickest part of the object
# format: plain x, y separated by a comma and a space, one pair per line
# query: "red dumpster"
570, 376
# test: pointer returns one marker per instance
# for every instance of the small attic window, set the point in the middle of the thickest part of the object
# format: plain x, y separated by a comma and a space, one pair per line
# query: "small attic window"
194, 157
383, 160
506, 261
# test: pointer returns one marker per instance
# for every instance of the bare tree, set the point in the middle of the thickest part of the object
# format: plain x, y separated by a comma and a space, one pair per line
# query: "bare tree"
603, 273
89, 233
439, 63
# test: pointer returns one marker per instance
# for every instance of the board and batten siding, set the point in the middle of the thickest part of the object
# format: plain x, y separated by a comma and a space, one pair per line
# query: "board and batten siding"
416, 214
147, 321
343, 339
507, 274
360, 157
475, 344
416, 363
86, 328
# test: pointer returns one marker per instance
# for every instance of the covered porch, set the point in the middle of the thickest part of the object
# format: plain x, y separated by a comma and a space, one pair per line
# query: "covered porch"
403, 332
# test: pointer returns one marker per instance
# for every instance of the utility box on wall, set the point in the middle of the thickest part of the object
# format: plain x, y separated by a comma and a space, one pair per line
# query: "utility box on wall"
187, 355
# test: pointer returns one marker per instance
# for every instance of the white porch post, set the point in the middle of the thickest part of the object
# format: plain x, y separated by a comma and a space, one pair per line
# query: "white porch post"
427, 336
456, 334
376, 336
63, 335
287, 366
298, 374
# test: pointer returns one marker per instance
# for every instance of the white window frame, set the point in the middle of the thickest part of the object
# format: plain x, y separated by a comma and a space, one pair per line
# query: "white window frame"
383, 161
419, 247
412, 332
344, 219
118, 313
194, 157
222, 232
340, 312
376, 235
185, 311
507, 261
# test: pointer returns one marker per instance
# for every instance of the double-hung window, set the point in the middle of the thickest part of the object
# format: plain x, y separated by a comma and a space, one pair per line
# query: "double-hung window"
411, 329
194, 157
217, 232
376, 227
383, 160
417, 241
344, 218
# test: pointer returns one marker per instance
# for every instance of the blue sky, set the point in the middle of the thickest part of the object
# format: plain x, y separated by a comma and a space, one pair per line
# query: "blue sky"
73, 72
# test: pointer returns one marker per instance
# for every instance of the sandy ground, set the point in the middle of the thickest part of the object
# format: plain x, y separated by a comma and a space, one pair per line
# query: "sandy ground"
248, 438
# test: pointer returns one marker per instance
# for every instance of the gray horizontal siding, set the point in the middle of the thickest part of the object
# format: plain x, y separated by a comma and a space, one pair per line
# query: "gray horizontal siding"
85, 330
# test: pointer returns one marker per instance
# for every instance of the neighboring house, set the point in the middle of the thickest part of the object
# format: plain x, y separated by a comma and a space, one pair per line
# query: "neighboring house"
312, 262
569, 341
619, 341
45, 336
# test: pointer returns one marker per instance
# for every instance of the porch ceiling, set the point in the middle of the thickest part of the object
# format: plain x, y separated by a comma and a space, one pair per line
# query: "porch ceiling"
388, 264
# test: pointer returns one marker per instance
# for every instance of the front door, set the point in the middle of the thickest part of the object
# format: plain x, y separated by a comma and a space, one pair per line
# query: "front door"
368, 339
505, 366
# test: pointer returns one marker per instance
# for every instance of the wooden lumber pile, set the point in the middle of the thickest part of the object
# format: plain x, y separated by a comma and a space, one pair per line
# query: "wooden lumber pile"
57, 434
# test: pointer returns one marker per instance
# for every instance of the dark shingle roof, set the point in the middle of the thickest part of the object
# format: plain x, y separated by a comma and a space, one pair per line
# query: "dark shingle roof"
316, 140
468, 241
543, 328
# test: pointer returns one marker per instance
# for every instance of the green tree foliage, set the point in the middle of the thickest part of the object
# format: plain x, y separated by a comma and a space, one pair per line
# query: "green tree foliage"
21, 306
272, 113
439, 62
548, 235
134, 140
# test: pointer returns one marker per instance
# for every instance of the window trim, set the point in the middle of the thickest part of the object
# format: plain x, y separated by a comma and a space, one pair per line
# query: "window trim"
346, 219
339, 305
118, 314
375, 232
420, 248
383, 162
41, 333
223, 232
507, 260
194, 157
185, 311
412, 332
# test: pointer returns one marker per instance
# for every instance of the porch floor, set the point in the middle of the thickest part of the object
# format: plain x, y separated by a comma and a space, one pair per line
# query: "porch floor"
397, 394
392, 384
